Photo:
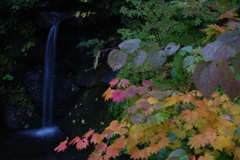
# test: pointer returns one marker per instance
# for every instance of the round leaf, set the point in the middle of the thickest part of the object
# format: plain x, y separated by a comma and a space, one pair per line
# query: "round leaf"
171, 48
187, 49
116, 59
129, 46
178, 154
158, 59
206, 78
139, 59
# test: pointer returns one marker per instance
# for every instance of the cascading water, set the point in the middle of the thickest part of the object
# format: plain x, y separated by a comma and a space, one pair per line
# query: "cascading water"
48, 83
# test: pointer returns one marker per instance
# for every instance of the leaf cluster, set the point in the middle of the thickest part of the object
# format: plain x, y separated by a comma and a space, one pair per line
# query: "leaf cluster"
187, 126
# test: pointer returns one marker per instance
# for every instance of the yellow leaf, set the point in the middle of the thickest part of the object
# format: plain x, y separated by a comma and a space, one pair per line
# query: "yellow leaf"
235, 110
187, 126
152, 100
190, 115
224, 98
198, 141
171, 101
180, 133
220, 143
176, 144
236, 120
107, 94
237, 153
207, 156
198, 151
84, 14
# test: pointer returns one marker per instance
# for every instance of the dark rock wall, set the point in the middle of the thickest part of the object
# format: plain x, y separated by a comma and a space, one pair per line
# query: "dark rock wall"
78, 104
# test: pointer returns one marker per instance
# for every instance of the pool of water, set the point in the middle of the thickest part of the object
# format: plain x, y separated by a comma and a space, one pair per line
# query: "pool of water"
27, 146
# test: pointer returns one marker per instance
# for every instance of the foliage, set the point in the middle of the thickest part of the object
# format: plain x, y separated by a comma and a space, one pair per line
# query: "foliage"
214, 69
170, 21
140, 61
187, 125
96, 44
214, 30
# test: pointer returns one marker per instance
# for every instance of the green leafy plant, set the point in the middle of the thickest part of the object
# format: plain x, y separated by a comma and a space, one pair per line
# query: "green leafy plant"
170, 21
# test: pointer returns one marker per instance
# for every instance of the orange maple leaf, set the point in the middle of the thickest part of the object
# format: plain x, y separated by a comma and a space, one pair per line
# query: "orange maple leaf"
101, 147
62, 146
119, 143
112, 151
108, 94
190, 115
198, 141
237, 152
96, 138
139, 153
114, 81
94, 156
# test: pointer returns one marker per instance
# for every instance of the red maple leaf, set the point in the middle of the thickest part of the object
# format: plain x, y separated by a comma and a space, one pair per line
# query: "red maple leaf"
112, 152
62, 146
118, 95
101, 147
141, 90
94, 156
114, 81
75, 140
124, 83
88, 134
147, 83
96, 138
82, 144
131, 91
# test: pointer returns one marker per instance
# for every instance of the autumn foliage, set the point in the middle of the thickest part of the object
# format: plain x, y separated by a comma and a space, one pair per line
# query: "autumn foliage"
187, 126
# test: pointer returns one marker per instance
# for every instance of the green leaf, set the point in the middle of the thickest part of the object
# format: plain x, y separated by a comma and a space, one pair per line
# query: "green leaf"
178, 61
171, 48
162, 115
177, 74
182, 53
151, 119
229, 84
178, 154
77, 14
238, 132
187, 49
116, 59
129, 46
139, 59
205, 78
189, 60
158, 59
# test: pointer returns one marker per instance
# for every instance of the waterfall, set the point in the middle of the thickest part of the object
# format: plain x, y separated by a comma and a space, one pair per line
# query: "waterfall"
50, 54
